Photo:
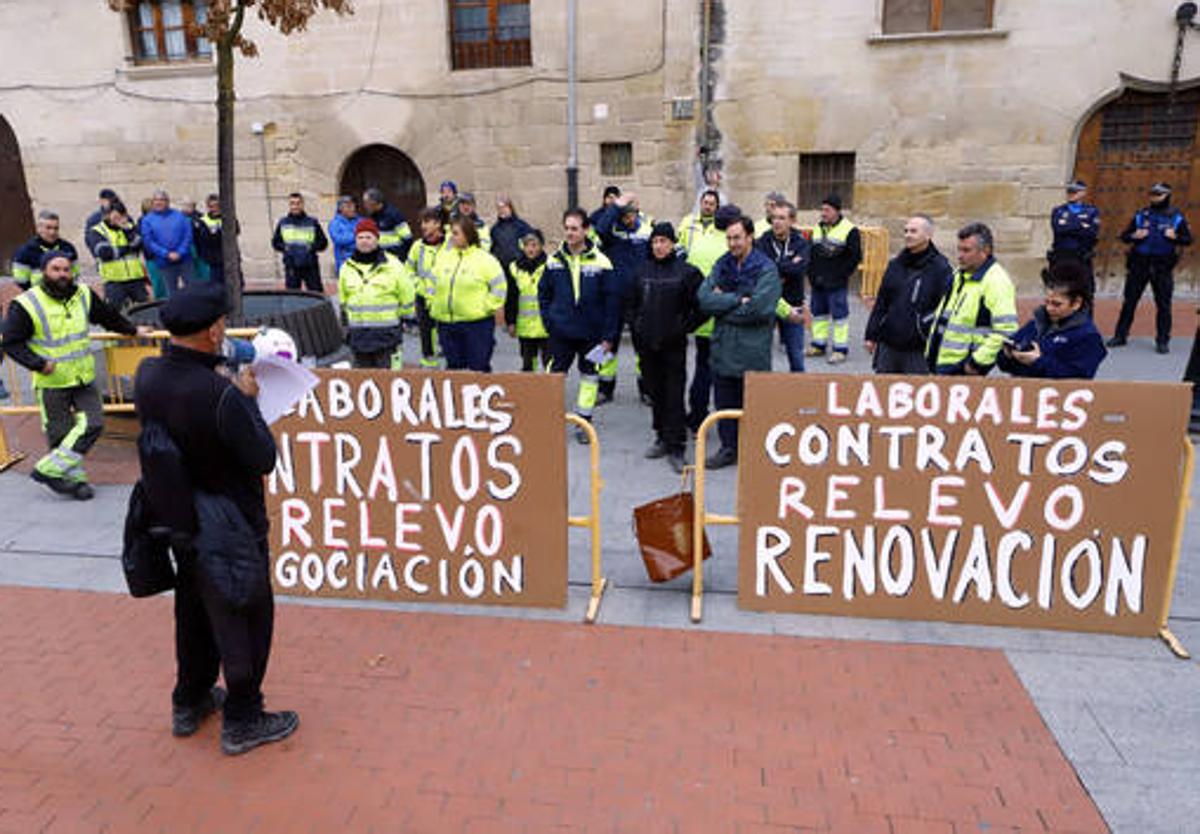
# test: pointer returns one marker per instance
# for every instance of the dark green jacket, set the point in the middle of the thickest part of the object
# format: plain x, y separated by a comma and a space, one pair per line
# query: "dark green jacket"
742, 333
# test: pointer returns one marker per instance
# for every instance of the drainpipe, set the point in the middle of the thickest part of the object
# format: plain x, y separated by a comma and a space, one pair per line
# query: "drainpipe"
705, 97
572, 128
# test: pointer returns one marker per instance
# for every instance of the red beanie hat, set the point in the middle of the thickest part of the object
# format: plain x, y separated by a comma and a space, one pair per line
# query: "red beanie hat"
367, 225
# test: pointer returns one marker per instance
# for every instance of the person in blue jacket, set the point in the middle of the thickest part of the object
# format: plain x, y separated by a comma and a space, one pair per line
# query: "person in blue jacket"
167, 239
1076, 227
1061, 341
624, 232
1156, 233
341, 231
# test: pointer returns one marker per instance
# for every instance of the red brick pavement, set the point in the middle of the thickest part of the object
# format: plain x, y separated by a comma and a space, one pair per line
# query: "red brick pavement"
433, 723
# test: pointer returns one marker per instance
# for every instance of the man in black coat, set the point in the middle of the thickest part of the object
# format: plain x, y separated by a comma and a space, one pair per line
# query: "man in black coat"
663, 310
226, 448
912, 287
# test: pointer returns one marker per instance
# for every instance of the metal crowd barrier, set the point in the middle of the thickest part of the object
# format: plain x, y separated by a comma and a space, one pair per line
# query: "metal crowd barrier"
592, 521
701, 518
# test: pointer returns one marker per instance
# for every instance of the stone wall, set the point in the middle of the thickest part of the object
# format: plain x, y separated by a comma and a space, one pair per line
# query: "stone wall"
379, 76
961, 127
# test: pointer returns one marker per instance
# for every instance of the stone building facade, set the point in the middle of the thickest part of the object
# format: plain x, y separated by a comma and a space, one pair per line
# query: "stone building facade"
980, 124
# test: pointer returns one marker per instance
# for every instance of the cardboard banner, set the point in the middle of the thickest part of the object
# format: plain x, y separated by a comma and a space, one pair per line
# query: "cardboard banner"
424, 487
1049, 504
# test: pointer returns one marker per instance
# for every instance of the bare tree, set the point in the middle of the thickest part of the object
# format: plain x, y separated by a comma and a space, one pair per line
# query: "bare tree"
223, 28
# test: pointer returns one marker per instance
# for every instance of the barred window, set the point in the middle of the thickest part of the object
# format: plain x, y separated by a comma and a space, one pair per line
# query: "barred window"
822, 174
908, 16
162, 31
489, 33
616, 159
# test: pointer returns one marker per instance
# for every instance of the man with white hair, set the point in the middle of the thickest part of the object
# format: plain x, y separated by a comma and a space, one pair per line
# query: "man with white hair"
913, 284
27, 261
167, 239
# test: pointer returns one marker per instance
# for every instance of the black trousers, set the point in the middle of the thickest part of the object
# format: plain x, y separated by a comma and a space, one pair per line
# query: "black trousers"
1158, 273
664, 372
426, 325
531, 351
209, 635
374, 359
728, 392
701, 390
309, 276
123, 294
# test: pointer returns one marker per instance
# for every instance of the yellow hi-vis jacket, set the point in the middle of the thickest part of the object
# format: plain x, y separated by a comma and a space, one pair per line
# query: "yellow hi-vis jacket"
470, 286
60, 334
529, 311
376, 295
118, 262
704, 244
972, 321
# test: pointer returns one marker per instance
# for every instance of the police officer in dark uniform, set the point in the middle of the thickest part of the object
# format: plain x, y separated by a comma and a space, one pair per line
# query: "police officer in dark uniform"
1156, 232
226, 449
1076, 228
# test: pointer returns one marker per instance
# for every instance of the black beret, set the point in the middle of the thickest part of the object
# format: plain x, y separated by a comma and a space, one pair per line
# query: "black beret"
194, 308
663, 229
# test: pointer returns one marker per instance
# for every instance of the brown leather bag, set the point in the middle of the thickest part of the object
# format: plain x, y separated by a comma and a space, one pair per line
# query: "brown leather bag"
664, 534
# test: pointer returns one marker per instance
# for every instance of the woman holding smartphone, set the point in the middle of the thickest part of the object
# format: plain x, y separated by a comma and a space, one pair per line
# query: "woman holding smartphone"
1061, 341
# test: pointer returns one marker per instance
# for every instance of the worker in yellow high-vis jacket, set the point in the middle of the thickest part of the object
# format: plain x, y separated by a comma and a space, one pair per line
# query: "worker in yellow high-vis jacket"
980, 312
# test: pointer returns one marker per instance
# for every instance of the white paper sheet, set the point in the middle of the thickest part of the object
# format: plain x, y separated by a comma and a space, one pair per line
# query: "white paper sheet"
281, 384
598, 355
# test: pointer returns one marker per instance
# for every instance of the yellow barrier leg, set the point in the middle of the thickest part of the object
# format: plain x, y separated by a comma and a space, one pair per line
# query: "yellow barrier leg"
1185, 501
592, 522
8, 457
700, 516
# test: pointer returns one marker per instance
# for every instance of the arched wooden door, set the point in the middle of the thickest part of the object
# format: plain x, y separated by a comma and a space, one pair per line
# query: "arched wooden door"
392, 172
1127, 145
16, 220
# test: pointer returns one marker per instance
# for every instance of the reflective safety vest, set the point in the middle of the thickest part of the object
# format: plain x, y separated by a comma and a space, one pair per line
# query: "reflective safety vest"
60, 334
470, 286
292, 235
422, 263
974, 318
829, 241
126, 266
214, 225
704, 244
529, 313
375, 295
394, 238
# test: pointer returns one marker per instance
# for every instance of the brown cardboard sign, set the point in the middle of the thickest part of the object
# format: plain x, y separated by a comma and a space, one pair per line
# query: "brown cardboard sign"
423, 487
1041, 504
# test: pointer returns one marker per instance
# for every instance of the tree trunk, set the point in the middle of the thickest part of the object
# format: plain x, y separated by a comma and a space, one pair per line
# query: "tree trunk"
230, 251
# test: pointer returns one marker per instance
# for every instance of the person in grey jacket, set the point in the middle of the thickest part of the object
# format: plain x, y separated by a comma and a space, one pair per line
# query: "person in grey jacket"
741, 294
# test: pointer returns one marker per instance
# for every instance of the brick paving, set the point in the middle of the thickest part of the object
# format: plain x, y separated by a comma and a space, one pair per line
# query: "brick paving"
434, 723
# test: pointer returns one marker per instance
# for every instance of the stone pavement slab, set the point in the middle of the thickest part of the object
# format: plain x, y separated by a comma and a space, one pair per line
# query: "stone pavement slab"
424, 723
1110, 702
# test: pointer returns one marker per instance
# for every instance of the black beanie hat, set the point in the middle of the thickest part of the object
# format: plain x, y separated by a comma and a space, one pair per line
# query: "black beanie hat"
663, 229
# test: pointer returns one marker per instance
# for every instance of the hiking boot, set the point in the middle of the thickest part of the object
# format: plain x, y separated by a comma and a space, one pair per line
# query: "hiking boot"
676, 461
814, 350
1117, 341
656, 450
263, 728
582, 437
185, 721
1162, 347
61, 486
837, 357
83, 491
720, 459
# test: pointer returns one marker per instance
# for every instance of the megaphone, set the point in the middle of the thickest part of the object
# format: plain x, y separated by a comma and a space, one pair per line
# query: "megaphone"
270, 341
